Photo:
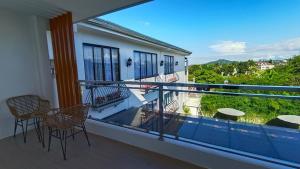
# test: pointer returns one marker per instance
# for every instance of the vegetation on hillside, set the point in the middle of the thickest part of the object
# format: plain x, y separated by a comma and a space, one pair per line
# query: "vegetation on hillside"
220, 61
258, 110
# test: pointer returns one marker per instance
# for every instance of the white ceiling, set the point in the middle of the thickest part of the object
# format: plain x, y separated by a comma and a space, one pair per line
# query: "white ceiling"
81, 9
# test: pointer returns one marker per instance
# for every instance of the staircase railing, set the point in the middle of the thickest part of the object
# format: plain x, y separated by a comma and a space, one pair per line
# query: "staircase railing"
172, 107
149, 119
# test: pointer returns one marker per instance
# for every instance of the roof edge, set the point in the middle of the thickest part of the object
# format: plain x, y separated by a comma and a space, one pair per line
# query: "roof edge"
128, 32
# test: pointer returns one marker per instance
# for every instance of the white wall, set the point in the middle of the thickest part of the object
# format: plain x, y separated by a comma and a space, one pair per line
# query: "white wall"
126, 48
23, 61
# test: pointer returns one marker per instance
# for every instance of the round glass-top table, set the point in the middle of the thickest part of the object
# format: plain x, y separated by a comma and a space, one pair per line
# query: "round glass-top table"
293, 119
229, 114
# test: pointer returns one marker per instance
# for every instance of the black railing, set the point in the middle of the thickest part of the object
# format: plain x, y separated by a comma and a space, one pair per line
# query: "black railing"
172, 107
101, 93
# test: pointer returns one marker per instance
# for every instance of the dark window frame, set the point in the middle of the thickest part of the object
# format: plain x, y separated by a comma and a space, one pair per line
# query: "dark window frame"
102, 47
169, 64
146, 64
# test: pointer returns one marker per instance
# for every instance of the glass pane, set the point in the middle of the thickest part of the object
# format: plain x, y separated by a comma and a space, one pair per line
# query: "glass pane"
137, 65
143, 65
149, 65
154, 64
115, 64
107, 64
98, 63
166, 65
88, 62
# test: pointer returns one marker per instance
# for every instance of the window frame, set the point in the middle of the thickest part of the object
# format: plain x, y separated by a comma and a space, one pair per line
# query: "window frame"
168, 98
146, 64
102, 47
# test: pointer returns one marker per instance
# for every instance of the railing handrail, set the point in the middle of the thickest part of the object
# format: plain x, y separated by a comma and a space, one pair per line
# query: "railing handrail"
201, 85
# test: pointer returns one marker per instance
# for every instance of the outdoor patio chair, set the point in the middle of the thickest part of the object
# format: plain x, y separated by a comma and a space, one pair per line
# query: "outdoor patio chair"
25, 108
65, 123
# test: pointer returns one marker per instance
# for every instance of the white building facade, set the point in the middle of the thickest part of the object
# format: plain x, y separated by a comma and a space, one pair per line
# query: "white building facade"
109, 52
264, 65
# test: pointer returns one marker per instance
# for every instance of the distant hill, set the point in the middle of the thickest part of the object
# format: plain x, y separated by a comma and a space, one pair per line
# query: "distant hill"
220, 61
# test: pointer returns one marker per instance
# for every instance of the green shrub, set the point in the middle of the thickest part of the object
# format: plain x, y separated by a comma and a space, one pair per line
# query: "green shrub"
186, 110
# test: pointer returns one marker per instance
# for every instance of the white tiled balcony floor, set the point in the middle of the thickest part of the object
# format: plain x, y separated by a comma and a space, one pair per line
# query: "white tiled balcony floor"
104, 153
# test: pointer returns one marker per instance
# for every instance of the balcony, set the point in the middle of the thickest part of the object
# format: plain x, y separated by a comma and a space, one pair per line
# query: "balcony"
273, 144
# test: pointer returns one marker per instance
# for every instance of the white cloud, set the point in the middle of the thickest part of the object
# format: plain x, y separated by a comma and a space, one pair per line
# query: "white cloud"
235, 50
145, 23
287, 45
229, 48
278, 50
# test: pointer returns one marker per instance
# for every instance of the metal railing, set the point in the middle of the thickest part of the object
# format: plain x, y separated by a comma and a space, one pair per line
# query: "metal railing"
172, 107
201, 89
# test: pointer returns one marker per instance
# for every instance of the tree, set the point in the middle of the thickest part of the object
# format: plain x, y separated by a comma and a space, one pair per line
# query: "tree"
258, 110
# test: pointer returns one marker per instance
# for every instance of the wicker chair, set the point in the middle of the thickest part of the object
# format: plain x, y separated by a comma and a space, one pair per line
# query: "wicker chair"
61, 124
25, 108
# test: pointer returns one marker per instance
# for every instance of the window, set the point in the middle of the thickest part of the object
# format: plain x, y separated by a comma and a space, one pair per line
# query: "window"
101, 63
169, 64
168, 98
145, 65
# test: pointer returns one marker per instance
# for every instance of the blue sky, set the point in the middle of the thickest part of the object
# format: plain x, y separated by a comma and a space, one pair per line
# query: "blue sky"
219, 29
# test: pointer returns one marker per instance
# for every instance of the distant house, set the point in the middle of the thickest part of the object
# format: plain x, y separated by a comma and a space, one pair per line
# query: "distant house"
279, 62
264, 65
